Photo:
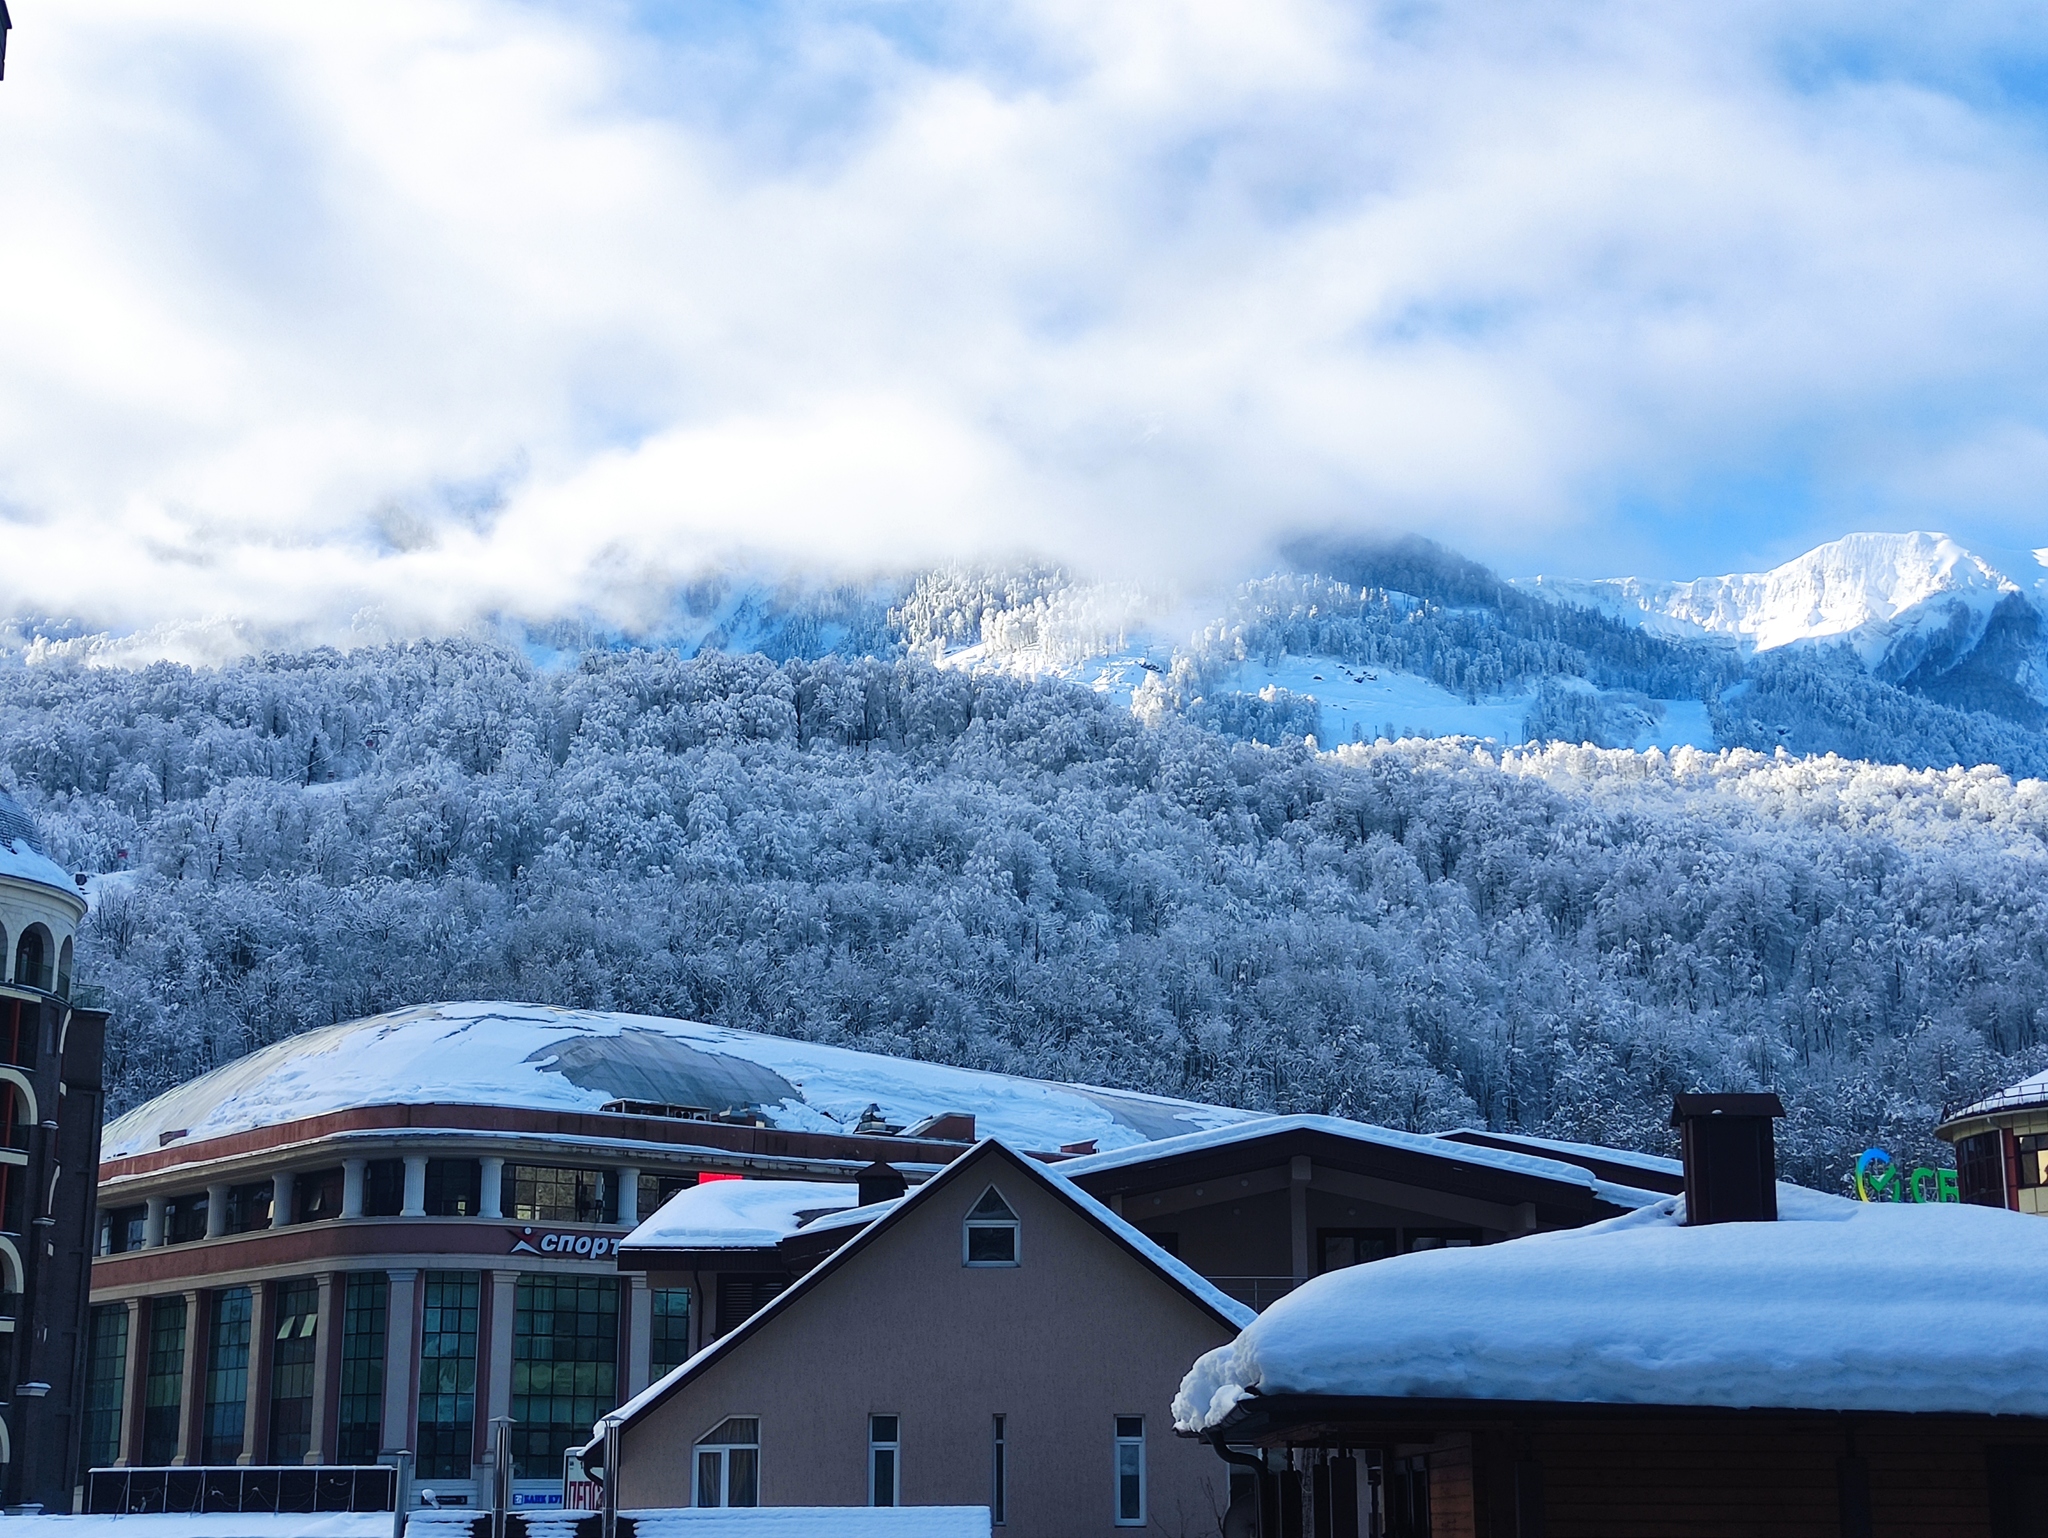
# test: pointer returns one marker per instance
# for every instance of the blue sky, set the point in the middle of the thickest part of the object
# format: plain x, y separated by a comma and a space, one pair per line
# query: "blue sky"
334, 321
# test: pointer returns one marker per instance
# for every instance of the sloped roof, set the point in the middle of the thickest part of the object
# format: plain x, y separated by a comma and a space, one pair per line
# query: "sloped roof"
740, 1214
22, 855
543, 1058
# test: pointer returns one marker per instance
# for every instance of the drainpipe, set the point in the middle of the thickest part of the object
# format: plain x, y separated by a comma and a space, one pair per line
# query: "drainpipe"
1244, 1461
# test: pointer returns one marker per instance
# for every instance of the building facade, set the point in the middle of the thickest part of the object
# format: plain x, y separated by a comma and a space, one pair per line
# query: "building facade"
2001, 1148
50, 1101
388, 1235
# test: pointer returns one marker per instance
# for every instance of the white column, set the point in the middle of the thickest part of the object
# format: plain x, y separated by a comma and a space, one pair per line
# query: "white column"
401, 1361
504, 1287
491, 1191
415, 1187
352, 1186
639, 1333
153, 1223
324, 1357
281, 1199
216, 1211
629, 1197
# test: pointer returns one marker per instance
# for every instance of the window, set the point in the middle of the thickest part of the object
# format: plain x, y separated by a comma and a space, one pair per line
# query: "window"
383, 1188
453, 1188
292, 1348
991, 1232
64, 969
249, 1207
655, 1190
185, 1218
121, 1230
106, 1371
361, 1421
227, 1376
447, 1375
536, 1194
1980, 1167
316, 1195
32, 958
1130, 1471
998, 1471
565, 1352
1408, 1498
670, 1347
884, 1460
2033, 1151
742, 1294
1420, 1239
729, 1463
164, 1389
1341, 1247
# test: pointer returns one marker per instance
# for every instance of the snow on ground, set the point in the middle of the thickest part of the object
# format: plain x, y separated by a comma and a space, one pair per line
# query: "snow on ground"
740, 1214
489, 1053
1837, 1306
816, 1522
220, 1524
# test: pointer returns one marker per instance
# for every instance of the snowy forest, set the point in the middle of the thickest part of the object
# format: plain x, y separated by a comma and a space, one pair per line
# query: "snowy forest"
1021, 875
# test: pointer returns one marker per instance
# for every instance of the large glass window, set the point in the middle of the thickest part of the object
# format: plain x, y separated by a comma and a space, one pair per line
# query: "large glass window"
447, 1375
383, 1188
163, 1391
1980, 1168
249, 1207
2033, 1152
227, 1376
670, 1347
565, 1352
1130, 1471
453, 1188
729, 1463
885, 1460
121, 1230
1337, 1248
105, 1374
185, 1218
293, 1346
360, 1423
656, 1189
535, 1193
316, 1195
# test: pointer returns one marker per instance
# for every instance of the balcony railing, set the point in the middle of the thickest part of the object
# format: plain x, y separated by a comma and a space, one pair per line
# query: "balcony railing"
291, 1488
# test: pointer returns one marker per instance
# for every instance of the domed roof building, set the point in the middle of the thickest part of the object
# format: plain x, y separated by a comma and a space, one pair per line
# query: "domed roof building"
40, 906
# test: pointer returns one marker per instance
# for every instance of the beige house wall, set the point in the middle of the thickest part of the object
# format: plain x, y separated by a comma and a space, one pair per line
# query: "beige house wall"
1078, 1333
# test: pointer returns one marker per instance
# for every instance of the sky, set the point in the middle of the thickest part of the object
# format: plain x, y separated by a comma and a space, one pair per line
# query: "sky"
335, 321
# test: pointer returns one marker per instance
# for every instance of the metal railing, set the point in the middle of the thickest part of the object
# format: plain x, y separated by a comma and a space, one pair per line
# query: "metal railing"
1257, 1293
290, 1488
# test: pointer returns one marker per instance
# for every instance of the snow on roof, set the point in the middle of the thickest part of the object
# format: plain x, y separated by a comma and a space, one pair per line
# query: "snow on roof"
2029, 1091
739, 1214
543, 1058
21, 851
1839, 1305
1362, 1132
852, 1217
1570, 1151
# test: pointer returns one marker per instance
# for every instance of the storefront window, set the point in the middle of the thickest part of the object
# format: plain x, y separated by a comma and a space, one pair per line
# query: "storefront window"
447, 1374
361, 1418
106, 1372
292, 1348
565, 1350
164, 1390
227, 1375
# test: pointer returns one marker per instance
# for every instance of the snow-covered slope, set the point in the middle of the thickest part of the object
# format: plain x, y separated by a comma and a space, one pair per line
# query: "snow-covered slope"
1871, 590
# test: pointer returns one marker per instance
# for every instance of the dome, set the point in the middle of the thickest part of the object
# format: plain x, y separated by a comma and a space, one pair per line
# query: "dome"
541, 1058
16, 826
22, 855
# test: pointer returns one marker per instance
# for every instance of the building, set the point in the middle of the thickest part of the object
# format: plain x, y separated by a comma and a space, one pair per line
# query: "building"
1800, 1366
49, 1147
386, 1234
2001, 1148
995, 1337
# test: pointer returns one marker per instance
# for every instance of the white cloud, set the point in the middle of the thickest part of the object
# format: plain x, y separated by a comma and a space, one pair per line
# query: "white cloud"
460, 306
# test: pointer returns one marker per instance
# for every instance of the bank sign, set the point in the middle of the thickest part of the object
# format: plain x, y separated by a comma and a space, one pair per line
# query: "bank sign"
1879, 1179
555, 1241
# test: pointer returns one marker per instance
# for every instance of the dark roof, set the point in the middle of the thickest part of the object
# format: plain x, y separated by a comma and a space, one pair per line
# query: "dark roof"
16, 826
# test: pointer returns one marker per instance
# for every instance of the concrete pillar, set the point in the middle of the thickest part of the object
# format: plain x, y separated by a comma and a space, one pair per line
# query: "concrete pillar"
153, 1223
490, 1194
216, 1211
352, 1171
415, 1187
192, 1387
1299, 1176
639, 1333
130, 1451
401, 1362
629, 1197
256, 1406
325, 1353
281, 1186
497, 1393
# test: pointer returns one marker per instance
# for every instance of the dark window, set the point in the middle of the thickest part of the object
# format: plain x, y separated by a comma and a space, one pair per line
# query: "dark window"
383, 1188
670, 1346
185, 1218
884, 1460
999, 1471
316, 1195
1980, 1169
1408, 1498
64, 969
163, 1391
453, 1186
2033, 1151
249, 1207
565, 1353
121, 1230
1337, 1248
33, 958
227, 1375
729, 1463
655, 1190
1130, 1471
2019, 1491
106, 1372
991, 1232
447, 1374
293, 1345
741, 1296
1440, 1238
361, 1421
537, 1194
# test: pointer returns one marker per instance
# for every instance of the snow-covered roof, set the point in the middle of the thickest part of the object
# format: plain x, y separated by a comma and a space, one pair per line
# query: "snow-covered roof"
1653, 1163
542, 1058
739, 1214
1362, 1132
2029, 1091
21, 851
1839, 1305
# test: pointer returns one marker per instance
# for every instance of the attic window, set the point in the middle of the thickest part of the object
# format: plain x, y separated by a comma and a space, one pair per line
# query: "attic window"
991, 1238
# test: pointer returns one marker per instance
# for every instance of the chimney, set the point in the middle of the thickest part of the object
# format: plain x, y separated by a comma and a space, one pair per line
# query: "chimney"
1731, 1165
880, 1183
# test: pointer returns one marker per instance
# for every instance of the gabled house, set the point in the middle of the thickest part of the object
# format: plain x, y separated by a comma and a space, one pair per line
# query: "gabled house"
995, 1337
